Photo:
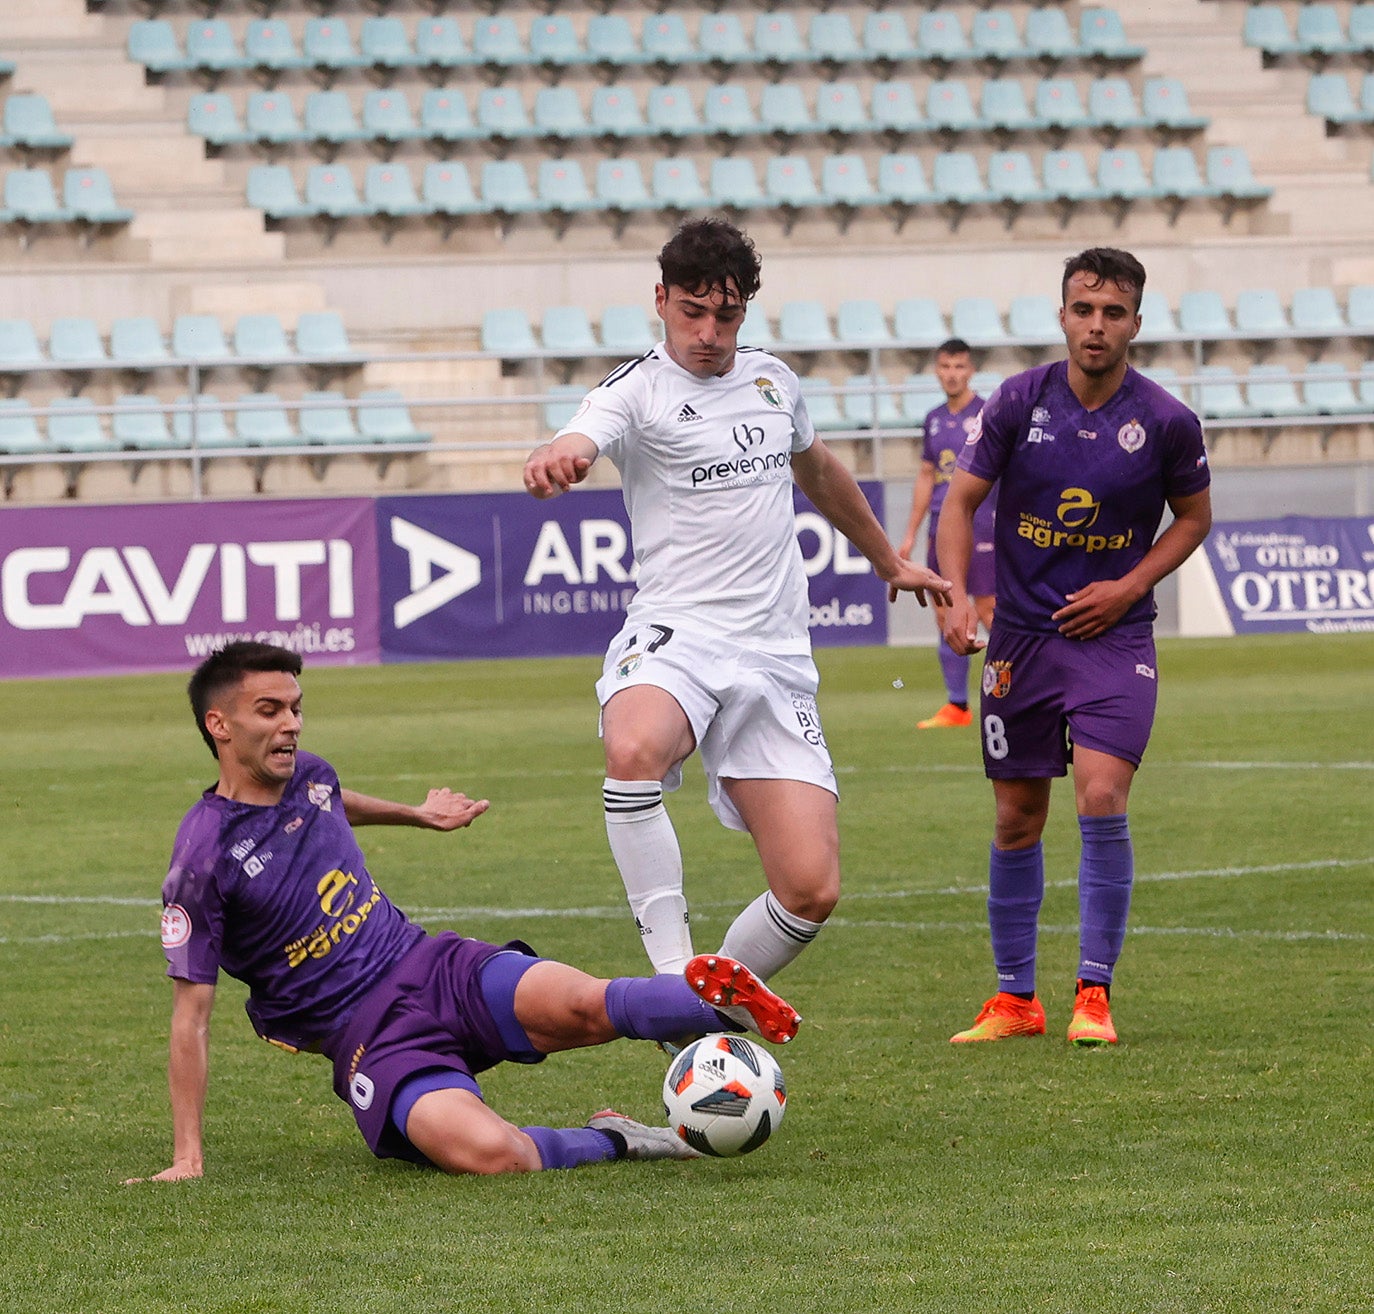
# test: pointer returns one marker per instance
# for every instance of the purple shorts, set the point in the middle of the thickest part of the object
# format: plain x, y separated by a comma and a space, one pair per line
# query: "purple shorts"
428, 1014
1043, 693
982, 577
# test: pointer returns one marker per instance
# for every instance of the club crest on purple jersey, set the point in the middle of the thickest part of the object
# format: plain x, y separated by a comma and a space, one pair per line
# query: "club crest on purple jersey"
997, 679
319, 796
1131, 436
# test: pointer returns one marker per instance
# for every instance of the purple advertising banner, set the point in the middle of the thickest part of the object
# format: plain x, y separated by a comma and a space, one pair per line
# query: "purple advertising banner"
502, 575
1297, 573
102, 590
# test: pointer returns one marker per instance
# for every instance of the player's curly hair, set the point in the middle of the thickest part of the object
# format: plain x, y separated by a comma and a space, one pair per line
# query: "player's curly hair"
224, 668
1106, 264
708, 255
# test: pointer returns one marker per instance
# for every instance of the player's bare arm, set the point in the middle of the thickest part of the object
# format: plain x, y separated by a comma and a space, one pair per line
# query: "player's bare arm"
443, 809
822, 477
920, 504
1095, 609
955, 549
188, 1079
555, 467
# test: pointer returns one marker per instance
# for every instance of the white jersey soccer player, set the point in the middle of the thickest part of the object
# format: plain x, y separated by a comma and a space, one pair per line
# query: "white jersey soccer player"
715, 653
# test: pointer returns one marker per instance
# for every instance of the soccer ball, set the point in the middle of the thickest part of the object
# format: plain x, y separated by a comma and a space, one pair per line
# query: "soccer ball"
724, 1095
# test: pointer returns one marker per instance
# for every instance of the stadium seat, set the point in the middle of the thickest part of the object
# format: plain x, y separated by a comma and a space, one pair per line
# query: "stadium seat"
1048, 35
777, 39
831, 40
940, 36
74, 342
328, 47
19, 432
1175, 174
861, 323
721, 40
260, 420
568, 331
384, 46
1164, 103
200, 421
270, 118
1202, 314
324, 418
136, 343
447, 190
389, 191
558, 115
978, 321
387, 117
783, 111
620, 187
1260, 313
893, 108
1319, 31
949, 106
677, 185
735, 184
272, 189
1366, 388
921, 394
665, 41
19, 349
383, 417
1329, 97
1157, 323
726, 111
1067, 178
1266, 28
28, 124
845, 181
993, 36
840, 109
670, 112
1360, 28
870, 402
200, 338
626, 330
1058, 105
212, 116
496, 42
554, 43
31, 198
439, 45
1327, 389
985, 382
757, 331
1219, 394
1270, 390
501, 114
562, 188
139, 423
887, 38
1112, 106
1034, 321
790, 184
562, 402
153, 43
1229, 174
321, 334
822, 405
329, 118
446, 117
210, 47
957, 180
902, 180
1012, 179
919, 322
75, 426
331, 193
805, 324
89, 197
615, 113
1102, 35
1168, 378
1315, 312
1359, 309
506, 189
1121, 175
269, 47
1002, 107
507, 332
611, 42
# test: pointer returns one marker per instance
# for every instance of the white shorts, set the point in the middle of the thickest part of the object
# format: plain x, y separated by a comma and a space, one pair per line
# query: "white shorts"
752, 714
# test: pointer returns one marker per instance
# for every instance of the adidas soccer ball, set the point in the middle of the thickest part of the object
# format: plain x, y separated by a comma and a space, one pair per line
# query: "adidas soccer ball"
724, 1095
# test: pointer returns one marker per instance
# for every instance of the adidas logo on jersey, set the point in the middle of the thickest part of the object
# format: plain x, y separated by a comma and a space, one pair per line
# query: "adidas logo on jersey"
686, 414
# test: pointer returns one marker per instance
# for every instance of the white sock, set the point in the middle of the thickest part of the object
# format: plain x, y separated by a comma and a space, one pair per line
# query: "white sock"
765, 937
645, 848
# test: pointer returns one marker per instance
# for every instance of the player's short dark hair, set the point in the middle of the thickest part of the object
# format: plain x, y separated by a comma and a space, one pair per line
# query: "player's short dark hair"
1106, 264
954, 347
225, 668
707, 255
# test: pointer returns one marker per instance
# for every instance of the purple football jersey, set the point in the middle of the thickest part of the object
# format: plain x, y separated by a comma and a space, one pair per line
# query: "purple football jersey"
1082, 492
280, 897
945, 433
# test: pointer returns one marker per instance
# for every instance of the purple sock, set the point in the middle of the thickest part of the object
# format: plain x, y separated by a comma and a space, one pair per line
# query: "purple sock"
658, 1008
1105, 872
1016, 886
955, 670
570, 1147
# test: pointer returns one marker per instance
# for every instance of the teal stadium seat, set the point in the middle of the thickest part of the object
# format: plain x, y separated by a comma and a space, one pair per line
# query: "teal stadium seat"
722, 41
1034, 321
329, 119
1049, 37
665, 41
1002, 107
615, 113
562, 402
272, 189
985, 382
1329, 97
840, 109
19, 349
74, 342
1319, 31
211, 48
1359, 309
831, 40
387, 117
269, 47
902, 181
1068, 179
919, 322
1102, 35
270, 118
993, 36
1202, 314
554, 43
389, 191
805, 324
790, 184
921, 394
778, 40
562, 188
75, 426
1121, 175
153, 43
611, 42
1229, 174
735, 184
260, 420
200, 338
496, 42
1360, 28
448, 192
1112, 106
1168, 378
1164, 103
439, 45
626, 330
870, 402
757, 331
887, 38
676, 185
1327, 389
327, 46
727, 112
1157, 323
261, 340
860, 322
893, 109
502, 115
383, 417
19, 432
89, 197
325, 419
559, 116
940, 36
137, 343
949, 106
1176, 176
28, 124
212, 116
1058, 104
822, 405
1271, 390
201, 422
620, 187
139, 424
321, 334
1260, 313
384, 45
958, 180
331, 193
1219, 396
670, 112
1315, 312
783, 111
31, 198
978, 321
1266, 28
446, 117
1012, 179
506, 332
845, 181
1366, 387
567, 330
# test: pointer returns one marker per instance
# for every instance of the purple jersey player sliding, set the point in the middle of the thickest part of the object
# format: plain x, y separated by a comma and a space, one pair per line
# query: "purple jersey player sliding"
267, 882
1086, 454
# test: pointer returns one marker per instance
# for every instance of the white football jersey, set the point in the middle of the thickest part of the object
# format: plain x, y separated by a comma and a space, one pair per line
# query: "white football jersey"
706, 469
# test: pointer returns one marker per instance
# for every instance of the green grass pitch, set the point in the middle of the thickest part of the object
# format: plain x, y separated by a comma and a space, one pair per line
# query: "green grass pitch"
1219, 1159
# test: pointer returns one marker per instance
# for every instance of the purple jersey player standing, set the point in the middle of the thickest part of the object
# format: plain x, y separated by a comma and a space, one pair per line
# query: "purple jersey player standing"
945, 430
268, 883
1086, 453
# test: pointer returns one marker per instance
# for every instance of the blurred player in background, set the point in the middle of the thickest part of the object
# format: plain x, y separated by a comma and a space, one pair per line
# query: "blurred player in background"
1086, 454
268, 883
715, 653
946, 427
